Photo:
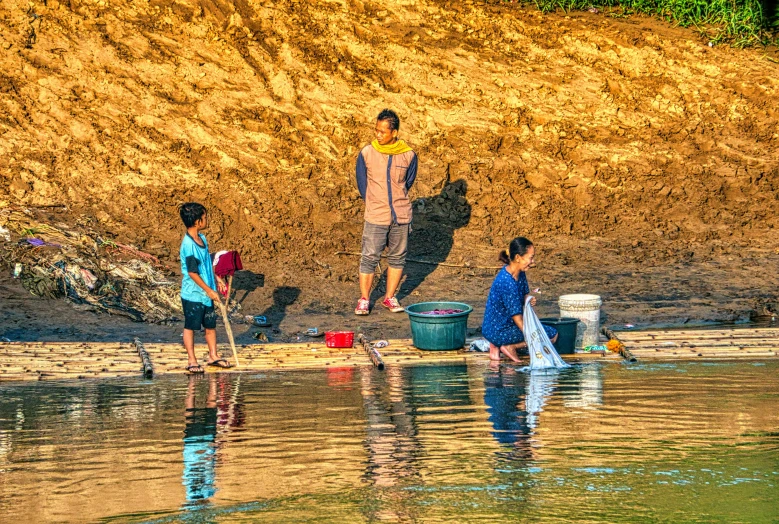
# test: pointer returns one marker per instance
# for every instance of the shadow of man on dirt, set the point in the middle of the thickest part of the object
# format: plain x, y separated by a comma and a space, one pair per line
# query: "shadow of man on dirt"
432, 236
283, 297
248, 282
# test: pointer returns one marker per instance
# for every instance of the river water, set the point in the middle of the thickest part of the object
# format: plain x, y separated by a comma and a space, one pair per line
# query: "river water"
597, 443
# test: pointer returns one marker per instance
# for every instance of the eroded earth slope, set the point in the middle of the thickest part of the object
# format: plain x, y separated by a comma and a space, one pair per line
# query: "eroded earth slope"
642, 161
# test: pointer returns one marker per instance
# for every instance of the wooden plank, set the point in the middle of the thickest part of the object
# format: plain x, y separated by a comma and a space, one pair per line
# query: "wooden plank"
701, 334
717, 351
730, 343
702, 344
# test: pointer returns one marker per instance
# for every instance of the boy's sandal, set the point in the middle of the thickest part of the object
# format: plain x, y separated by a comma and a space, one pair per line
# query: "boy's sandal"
220, 363
195, 369
261, 321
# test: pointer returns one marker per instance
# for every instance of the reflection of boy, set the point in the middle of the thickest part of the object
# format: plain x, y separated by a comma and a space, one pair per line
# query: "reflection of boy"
198, 286
200, 444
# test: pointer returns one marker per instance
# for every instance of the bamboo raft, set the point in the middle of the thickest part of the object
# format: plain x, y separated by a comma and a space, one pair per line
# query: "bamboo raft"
68, 360
709, 344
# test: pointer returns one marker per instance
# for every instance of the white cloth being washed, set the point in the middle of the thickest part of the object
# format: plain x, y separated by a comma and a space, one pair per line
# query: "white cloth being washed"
543, 354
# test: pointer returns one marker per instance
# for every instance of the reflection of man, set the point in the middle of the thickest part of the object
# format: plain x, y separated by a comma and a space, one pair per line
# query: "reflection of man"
392, 444
200, 444
386, 170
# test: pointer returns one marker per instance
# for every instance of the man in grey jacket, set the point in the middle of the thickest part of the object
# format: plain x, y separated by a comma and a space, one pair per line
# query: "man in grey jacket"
386, 170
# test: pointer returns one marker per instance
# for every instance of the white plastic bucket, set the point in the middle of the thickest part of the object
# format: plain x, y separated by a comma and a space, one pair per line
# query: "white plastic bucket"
587, 309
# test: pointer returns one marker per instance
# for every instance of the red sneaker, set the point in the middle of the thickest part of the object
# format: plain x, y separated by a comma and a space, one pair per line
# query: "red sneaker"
393, 305
363, 307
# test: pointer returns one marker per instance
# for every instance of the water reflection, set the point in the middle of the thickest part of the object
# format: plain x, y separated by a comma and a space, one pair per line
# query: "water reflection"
436, 443
391, 444
540, 385
589, 387
397, 402
515, 399
504, 390
205, 432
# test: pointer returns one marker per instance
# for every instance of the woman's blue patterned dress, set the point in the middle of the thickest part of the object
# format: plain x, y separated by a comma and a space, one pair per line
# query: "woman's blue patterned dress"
506, 299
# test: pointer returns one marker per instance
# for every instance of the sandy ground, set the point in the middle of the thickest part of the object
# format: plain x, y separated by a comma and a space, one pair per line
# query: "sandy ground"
641, 161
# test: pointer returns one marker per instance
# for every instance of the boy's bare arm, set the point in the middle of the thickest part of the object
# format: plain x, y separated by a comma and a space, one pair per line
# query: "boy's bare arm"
221, 285
213, 295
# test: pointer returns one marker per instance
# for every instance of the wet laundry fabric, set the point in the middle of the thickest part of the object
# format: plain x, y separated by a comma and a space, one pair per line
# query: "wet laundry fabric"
226, 263
543, 354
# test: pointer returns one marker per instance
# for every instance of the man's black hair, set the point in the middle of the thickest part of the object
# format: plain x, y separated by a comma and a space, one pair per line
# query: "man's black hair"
391, 117
191, 212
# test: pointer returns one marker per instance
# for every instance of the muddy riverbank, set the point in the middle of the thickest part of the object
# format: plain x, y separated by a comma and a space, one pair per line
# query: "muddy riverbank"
642, 161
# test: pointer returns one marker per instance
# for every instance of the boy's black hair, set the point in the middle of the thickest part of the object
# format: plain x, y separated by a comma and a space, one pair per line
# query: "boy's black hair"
191, 212
391, 117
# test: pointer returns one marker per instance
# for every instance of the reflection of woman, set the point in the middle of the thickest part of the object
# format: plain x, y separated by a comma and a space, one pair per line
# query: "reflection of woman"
503, 390
503, 325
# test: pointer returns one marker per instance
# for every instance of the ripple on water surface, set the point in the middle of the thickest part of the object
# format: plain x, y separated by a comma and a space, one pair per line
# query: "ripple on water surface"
608, 443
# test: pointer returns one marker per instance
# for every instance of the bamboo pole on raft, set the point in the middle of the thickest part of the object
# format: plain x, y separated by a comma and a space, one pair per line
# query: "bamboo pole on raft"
148, 369
228, 329
372, 352
625, 352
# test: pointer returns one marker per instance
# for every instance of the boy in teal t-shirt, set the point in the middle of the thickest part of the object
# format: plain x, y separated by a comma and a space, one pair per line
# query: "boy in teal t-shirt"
198, 287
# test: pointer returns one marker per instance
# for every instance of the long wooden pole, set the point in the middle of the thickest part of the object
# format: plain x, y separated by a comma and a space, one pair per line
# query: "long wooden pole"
373, 353
228, 328
229, 290
428, 262
625, 352
148, 369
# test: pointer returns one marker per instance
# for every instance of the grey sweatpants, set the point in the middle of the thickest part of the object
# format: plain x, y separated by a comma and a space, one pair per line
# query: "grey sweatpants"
376, 238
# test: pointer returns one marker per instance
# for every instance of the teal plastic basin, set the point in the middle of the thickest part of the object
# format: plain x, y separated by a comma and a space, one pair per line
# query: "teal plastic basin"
438, 332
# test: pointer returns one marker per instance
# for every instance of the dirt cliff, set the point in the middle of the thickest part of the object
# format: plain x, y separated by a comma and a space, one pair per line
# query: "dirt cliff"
624, 143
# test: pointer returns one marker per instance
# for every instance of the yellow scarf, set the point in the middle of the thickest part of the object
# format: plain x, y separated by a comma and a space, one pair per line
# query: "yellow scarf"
396, 148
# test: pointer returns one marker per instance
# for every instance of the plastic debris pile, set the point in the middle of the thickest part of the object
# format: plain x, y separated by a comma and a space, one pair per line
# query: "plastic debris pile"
94, 273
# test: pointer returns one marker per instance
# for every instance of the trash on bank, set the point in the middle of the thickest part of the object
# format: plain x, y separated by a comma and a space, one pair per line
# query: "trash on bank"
480, 344
593, 347
93, 273
258, 320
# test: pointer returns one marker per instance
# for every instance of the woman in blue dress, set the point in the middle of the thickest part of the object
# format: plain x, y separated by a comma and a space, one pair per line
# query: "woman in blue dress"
503, 324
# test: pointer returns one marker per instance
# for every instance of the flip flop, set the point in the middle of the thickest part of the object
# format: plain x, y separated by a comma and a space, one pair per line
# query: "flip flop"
195, 369
220, 363
261, 321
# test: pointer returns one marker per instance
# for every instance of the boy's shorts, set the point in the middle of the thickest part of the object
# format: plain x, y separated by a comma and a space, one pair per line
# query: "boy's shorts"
197, 314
